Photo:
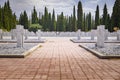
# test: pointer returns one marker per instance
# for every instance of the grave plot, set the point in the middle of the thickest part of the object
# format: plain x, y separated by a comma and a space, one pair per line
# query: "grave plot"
91, 36
17, 49
102, 49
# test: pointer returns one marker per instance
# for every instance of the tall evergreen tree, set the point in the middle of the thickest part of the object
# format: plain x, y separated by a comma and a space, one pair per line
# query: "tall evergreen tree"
116, 14
84, 24
7, 17
46, 16
53, 24
89, 21
74, 20
49, 22
105, 14
79, 16
97, 19
23, 20
34, 16
1, 18
109, 24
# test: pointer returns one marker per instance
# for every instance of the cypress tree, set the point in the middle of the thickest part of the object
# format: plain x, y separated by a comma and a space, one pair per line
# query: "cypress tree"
105, 14
34, 16
84, 24
26, 24
97, 20
45, 26
116, 15
0, 17
89, 21
49, 22
79, 16
74, 20
23, 20
53, 25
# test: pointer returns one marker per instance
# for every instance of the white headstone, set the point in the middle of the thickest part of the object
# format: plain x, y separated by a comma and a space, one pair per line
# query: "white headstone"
92, 34
78, 33
26, 34
19, 35
13, 34
106, 34
118, 35
100, 36
39, 34
1, 34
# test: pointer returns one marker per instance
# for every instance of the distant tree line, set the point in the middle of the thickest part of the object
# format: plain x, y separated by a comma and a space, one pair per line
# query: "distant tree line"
49, 22
7, 18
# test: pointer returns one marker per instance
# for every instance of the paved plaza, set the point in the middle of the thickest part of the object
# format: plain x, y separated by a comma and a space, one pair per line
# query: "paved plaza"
59, 59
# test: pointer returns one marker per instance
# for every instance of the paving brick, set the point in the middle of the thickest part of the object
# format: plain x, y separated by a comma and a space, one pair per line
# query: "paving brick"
59, 59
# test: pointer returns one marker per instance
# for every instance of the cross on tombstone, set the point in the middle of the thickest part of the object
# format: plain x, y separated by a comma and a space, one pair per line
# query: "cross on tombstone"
100, 36
78, 33
19, 35
39, 34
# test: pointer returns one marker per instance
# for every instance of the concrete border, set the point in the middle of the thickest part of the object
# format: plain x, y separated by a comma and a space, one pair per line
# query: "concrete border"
98, 54
91, 41
26, 41
23, 55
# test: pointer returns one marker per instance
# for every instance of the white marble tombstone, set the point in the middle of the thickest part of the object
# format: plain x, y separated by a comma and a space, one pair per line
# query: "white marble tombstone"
78, 34
19, 35
13, 34
1, 35
92, 34
118, 35
106, 34
39, 34
26, 34
100, 36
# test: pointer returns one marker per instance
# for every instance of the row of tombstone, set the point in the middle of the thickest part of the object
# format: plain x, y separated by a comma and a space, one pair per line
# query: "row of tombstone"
102, 35
19, 35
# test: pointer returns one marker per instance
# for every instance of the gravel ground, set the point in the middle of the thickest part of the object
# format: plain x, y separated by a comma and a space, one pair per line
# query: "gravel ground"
109, 49
10, 48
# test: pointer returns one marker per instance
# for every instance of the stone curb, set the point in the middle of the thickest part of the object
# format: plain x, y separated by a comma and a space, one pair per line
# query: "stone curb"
23, 55
98, 54
26, 41
90, 41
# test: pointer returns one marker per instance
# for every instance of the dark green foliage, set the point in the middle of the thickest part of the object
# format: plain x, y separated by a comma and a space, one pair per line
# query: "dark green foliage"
84, 24
45, 20
7, 18
97, 19
108, 24
23, 20
80, 16
1, 23
74, 28
34, 16
89, 21
116, 15
49, 22
53, 24
105, 14
34, 27
60, 22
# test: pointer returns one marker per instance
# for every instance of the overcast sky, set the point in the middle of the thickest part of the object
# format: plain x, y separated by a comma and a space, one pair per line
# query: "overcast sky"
65, 6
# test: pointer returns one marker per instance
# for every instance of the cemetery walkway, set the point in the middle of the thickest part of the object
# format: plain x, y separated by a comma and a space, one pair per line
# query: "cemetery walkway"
59, 59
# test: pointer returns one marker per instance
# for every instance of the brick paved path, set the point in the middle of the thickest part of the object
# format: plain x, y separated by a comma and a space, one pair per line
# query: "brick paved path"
60, 59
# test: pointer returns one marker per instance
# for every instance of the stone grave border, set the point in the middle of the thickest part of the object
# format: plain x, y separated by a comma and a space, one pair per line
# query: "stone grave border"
23, 55
98, 54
